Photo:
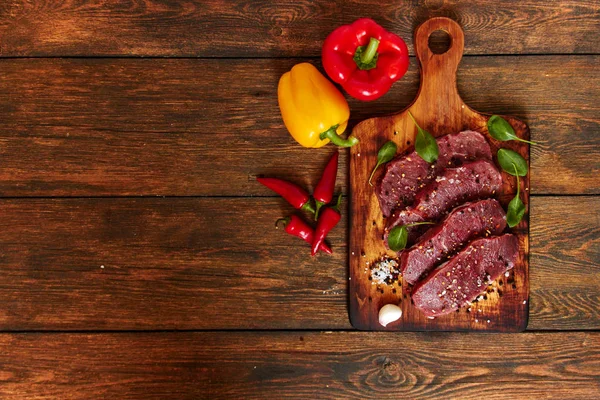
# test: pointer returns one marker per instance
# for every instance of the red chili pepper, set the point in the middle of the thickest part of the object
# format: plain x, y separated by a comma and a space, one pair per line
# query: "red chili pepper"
292, 193
327, 221
324, 190
296, 227
364, 58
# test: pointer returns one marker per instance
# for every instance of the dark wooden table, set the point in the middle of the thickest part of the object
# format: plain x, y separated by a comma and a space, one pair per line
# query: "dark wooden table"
138, 257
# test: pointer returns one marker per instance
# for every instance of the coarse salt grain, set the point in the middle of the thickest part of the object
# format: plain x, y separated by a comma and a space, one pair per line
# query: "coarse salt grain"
384, 271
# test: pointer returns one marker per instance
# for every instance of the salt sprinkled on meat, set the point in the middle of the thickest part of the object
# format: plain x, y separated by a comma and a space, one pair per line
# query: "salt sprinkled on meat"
430, 207
448, 237
396, 188
500, 254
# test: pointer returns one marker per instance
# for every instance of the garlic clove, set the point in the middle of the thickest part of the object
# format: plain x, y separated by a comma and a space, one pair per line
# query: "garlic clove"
389, 313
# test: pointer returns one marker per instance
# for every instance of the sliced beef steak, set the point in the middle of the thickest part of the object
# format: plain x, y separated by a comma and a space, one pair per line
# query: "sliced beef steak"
471, 181
463, 224
466, 275
406, 217
406, 174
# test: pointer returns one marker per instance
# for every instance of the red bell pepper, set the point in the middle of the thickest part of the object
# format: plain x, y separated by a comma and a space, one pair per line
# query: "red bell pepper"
364, 58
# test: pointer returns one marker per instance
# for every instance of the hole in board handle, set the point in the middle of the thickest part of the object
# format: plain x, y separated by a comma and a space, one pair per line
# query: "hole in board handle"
439, 41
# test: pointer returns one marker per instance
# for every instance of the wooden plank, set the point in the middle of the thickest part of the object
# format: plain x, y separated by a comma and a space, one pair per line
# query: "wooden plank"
565, 237
217, 263
439, 109
80, 127
258, 365
210, 28
163, 264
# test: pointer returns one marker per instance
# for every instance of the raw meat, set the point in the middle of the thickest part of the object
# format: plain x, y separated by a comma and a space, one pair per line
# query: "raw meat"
459, 281
463, 224
471, 181
405, 175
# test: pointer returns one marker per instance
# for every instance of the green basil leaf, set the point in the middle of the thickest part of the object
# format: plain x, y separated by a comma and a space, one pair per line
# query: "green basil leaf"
506, 159
501, 129
516, 210
384, 155
387, 152
397, 238
425, 144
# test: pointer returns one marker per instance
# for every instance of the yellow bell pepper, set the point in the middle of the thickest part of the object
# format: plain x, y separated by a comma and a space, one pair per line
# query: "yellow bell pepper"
313, 110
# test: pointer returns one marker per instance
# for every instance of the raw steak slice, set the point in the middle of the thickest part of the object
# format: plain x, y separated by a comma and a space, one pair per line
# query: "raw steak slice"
463, 224
406, 174
464, 277
475, 180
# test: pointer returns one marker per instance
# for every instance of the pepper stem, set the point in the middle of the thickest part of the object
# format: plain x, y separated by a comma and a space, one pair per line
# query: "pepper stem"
319, 205
369, 53
338, 203
332, 135
309, 208
285, 221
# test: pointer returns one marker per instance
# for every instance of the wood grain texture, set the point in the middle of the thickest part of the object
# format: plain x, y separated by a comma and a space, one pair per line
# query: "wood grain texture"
112, 127
219, 263
164, 264
569, 241
209, 28
440, 110
225, 365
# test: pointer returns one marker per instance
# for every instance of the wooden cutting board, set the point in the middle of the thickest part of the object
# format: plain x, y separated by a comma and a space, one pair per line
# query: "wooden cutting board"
439, 109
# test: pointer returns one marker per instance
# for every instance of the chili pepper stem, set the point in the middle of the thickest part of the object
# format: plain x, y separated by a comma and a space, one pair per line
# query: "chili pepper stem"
308, 207
319, 205
332, 135
367, 56
338, 203
285, 221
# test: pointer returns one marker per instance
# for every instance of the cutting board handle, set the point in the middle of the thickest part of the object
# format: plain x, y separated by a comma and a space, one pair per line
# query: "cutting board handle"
438, 94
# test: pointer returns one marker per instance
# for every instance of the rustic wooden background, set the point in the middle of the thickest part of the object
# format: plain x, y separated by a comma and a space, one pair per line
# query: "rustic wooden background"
138, 257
